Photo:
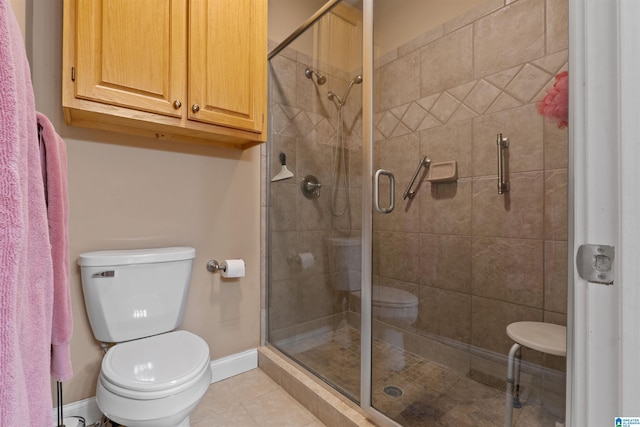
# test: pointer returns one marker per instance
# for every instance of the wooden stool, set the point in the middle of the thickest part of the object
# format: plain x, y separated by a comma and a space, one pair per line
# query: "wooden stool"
544, 337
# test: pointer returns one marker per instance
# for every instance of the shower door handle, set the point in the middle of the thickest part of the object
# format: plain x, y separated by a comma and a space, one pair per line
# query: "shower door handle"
376, 191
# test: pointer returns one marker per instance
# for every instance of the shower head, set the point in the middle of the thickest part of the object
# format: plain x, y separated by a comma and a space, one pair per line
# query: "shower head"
320, 79
335, 98
340, 101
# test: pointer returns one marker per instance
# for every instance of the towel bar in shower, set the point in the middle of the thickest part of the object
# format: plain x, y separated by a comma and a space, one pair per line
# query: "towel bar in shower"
424, 161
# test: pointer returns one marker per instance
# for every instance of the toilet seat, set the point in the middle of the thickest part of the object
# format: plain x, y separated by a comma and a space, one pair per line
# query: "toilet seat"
155, 367
387, 297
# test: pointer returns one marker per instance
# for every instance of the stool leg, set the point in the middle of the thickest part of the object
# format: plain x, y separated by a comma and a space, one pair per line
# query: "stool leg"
516, 400
509, 394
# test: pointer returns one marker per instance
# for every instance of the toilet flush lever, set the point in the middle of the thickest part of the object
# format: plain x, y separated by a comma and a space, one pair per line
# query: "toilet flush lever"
108, 273
595, 263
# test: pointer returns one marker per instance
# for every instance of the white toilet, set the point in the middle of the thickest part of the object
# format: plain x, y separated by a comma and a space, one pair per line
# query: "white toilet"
393, 305
396, 308
390, 305
136, 298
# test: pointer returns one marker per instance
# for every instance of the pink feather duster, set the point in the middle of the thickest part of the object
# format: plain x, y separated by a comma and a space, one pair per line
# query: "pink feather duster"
555, 104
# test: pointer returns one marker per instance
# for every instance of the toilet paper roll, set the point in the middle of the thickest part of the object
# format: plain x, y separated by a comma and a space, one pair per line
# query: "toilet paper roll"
306, 259
235, 268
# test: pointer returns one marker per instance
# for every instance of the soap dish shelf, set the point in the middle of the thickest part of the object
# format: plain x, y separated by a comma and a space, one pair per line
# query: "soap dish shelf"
443, 171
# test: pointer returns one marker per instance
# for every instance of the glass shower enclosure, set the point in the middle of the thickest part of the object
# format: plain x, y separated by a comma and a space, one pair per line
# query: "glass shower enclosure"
315, 217
427, 208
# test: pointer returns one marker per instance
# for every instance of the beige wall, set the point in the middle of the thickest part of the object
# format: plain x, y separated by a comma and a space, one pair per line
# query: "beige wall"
129, 192
395, 21
399, 21
285, 16
20, 10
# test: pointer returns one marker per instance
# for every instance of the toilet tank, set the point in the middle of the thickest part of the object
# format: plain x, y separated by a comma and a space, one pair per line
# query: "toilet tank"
135, 293
345, 262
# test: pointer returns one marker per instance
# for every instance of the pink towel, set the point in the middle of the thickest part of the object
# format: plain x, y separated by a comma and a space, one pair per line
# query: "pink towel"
58, 216
26, 272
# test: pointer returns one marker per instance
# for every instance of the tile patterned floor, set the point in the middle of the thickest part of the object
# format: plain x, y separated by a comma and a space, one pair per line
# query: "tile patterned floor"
251, 399
433, 395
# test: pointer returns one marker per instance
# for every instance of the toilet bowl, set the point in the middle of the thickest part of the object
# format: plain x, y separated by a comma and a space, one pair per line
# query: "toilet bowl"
389, 304
153, 375
394, 305
395, 308
155, 381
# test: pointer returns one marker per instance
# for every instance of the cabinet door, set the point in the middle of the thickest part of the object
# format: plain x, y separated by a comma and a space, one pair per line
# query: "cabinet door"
132, 53
227, 62
338, 39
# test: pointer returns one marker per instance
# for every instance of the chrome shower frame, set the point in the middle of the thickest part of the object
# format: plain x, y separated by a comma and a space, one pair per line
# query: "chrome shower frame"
366, 79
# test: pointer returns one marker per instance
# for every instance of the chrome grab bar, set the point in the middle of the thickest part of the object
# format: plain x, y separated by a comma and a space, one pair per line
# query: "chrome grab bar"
424, 161
376, 191
502, 144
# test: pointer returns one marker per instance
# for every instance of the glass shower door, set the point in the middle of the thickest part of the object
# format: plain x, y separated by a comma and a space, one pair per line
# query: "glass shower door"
315, 204
457, 260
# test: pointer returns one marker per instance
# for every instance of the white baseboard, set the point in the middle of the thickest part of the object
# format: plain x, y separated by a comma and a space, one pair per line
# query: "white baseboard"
235, 364
221, 369
87, 409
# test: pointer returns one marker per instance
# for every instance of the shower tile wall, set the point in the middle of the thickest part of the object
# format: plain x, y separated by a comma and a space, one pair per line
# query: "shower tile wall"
477, 260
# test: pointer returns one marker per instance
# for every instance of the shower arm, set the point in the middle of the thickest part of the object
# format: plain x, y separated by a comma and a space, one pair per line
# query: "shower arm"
424, 161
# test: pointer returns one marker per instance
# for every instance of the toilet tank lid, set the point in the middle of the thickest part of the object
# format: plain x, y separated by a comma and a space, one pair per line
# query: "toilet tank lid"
135, 256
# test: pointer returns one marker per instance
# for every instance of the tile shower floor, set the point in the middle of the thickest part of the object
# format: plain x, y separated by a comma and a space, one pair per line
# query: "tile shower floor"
433, 395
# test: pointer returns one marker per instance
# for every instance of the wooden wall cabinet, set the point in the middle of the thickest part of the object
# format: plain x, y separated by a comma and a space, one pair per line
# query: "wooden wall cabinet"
186, 70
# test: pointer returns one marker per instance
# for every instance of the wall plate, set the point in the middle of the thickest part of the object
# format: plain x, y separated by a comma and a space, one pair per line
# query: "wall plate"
595, 263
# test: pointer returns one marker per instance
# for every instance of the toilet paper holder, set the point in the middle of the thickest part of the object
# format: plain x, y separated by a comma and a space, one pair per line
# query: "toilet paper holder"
230, 268
304, 259
214, 266
298, 258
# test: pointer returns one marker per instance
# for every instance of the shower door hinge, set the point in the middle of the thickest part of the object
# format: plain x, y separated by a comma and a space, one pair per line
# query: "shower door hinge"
595, 263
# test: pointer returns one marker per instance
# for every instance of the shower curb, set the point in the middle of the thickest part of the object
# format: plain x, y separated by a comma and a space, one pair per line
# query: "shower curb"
330, 407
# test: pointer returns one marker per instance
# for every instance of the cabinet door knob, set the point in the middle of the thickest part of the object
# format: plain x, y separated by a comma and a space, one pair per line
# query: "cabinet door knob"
195, 108
177, 104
